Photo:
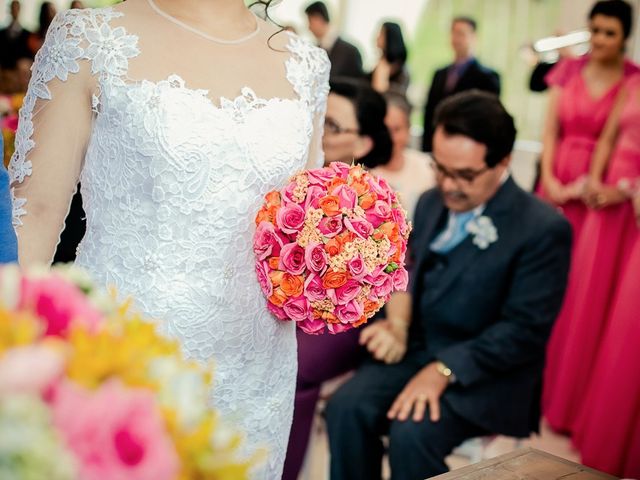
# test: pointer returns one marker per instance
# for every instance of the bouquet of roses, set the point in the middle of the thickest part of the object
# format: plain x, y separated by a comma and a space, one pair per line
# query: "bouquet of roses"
89, 390
330, 248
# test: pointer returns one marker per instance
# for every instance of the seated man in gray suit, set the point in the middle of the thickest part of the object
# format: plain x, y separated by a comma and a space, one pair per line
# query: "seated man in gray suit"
345, 58
489, 271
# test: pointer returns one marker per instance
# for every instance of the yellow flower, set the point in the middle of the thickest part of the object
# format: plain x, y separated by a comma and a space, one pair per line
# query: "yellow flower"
17, 328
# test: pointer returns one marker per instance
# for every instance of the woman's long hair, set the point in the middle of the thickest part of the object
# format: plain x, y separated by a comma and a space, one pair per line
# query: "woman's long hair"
395, 50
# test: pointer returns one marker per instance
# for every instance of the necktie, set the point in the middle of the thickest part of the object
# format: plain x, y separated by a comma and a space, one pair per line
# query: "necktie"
454, 234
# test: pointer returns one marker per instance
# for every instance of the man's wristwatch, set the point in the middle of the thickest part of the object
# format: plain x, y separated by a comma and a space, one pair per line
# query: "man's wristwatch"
445, 371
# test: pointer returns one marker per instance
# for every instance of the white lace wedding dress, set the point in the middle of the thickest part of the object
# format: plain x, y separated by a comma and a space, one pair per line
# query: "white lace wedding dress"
175, 150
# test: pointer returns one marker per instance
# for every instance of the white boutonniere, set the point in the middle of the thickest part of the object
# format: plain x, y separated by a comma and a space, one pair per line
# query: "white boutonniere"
483, 230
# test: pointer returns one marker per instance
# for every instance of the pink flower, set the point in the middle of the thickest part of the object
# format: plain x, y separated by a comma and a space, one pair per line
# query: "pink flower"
400, 279
320, 176
383, 286
115, 432
347, 195
262, 270
346, 293
278, 312
290, 218
342, 169
297, 309
379, 213
313, 288
362, 228
31, 369
314, 194
335, 328
266, 242
357, 268
57, 303
331, 226
292, 259
398, 217
312, 326
287, 193
350, 312
315, 257
375, 277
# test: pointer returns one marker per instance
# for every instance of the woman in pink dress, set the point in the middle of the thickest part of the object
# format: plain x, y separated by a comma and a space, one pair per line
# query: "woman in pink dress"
582, 94
606, 428
599, 255
582, 97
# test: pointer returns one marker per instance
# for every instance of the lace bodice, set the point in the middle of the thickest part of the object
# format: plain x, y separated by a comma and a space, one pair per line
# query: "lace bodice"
171, 181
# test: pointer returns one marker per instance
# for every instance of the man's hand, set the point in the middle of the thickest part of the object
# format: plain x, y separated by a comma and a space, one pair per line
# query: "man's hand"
385, 340
424, 389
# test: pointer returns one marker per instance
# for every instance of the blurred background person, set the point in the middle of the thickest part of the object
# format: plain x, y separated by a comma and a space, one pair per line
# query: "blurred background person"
345, 58
582, 94
13, 40
36, 39
465, 73
77, 4
354, 131
391, 71
408, 171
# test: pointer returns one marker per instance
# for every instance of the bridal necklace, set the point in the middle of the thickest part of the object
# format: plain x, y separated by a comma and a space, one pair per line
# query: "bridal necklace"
200, 33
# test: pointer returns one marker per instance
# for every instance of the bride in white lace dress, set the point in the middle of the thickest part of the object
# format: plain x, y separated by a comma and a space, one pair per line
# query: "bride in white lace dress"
176, 116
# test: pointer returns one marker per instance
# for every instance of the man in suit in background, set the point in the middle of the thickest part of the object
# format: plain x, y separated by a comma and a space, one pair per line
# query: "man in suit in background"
465, 73
13, 40
345, 57
489, 271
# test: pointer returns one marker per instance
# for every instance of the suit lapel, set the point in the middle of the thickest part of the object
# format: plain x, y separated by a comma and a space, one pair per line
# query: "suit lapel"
464, 255
435, 217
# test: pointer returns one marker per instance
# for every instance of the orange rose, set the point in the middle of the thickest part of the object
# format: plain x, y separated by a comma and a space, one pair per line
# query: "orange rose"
370, 307
273, 198
276, 277
333, 247
330, 205
345, 237
329, 317
396, 256
273, 263
278, 298
363, 319
335, 183
367, 200
292, 285
333, 279
390, 229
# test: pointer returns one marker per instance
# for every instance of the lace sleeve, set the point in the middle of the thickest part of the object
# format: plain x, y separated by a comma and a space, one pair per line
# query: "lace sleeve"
53, 131
310, 74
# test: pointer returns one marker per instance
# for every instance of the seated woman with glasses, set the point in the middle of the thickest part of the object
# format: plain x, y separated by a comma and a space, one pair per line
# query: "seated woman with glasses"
354, 131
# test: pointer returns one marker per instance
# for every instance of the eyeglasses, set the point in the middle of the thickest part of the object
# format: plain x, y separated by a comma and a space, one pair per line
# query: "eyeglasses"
331, 126
466, 176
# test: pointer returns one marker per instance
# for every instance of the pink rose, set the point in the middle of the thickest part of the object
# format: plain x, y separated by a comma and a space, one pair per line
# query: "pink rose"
297, 309
315, 257
383, 285
350, 312
398, 216
266, 242
287, 193
335, 328
357, 268
375, 278
290, 218
278, 312
379, 213
331, 226
314, 194
347, 195
312, 326
262, 270
292, 259
342, 169
57, 303
30, 369
320, 176
115, 432
362, 228
345, 293
313, 288
400, 279
381, 188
